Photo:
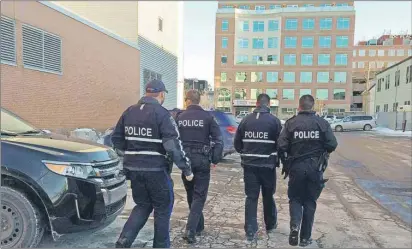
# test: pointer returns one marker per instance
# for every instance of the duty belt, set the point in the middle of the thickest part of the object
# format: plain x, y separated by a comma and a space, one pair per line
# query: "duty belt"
205, 150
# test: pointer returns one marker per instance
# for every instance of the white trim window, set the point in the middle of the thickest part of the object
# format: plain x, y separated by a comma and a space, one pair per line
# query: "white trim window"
8, 41
41, 50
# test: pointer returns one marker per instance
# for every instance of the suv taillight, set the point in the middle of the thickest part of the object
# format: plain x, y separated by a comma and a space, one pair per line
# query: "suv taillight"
231, 129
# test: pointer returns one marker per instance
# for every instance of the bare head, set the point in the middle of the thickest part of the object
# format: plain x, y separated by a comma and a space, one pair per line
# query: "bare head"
263, 100
156, 89
306, 103
192, 97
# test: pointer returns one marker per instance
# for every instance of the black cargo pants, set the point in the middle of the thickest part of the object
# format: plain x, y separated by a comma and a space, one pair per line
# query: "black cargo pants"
196, 191
151, 191
304, 188
256, 179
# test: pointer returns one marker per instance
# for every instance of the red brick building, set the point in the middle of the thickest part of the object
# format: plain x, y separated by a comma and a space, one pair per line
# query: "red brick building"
60, 71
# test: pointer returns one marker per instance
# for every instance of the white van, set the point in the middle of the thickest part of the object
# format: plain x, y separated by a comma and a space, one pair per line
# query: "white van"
358, 122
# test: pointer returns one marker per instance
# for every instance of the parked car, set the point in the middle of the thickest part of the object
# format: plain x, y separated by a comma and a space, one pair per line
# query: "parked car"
358, 122
240, 117
226, 121
54, 183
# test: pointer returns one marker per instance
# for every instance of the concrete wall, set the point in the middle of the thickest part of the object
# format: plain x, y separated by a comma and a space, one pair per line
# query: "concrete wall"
393, 120
99, 78
160, 61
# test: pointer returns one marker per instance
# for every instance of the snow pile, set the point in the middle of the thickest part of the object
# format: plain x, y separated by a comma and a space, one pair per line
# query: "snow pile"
389, 132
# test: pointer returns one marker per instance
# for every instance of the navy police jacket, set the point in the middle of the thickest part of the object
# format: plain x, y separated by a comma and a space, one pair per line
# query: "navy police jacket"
256, 137
198, 130
146, 132
306, 135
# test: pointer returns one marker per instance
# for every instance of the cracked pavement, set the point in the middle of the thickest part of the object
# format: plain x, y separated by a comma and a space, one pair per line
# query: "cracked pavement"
346, 215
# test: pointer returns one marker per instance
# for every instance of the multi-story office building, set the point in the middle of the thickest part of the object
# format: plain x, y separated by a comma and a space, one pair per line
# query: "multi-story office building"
156, 26
285, 49
372, 56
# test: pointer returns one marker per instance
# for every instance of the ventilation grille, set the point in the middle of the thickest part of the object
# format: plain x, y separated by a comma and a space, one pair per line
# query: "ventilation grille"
8, 41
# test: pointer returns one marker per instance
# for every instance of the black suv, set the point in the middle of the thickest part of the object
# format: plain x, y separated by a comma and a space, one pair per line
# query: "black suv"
53, 183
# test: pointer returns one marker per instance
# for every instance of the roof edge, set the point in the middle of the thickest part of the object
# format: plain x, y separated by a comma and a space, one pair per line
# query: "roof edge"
394, 65
89, 23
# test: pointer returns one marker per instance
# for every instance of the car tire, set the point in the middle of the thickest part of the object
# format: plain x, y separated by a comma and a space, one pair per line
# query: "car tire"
367, 127
21, 219
339, 128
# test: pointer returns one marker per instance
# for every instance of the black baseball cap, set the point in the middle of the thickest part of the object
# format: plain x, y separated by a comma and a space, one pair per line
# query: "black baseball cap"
155, 86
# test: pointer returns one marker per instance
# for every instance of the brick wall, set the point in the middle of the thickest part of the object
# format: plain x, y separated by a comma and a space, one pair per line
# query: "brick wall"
100, 77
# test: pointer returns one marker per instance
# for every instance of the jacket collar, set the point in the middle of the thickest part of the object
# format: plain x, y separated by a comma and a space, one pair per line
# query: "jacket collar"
148, 100
261, 109
194, 107
307, 112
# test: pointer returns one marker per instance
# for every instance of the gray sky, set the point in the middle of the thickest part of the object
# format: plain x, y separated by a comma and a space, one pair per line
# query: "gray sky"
372, 18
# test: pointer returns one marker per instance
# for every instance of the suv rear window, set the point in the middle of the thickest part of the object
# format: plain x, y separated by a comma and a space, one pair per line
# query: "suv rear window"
367, 117
225, 119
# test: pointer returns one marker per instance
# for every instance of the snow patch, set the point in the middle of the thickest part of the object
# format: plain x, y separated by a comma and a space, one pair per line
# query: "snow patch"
389, 132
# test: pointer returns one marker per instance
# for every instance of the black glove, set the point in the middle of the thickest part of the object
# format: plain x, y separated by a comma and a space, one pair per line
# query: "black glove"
285, 170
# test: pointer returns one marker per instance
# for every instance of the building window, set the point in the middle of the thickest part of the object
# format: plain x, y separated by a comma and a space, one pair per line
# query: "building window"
343, 23
322, 94
243, 42
380, 64
288, 94
395, 106
223, 59
291, 24
362, 52
379, 87
400, 52
273, 93
290, 41
409, 74
381, 52
378, 108
409, 52
308, 24
223, 77
340, 77
244, 7
241, 76
305, 77
388, 81
323, 59
289, 110
224, 42
385, 107
305, 92
339, 94
289, 77
325, 5
258, 43
272, 77
227, 7
245, 26
372, 64
160, 24
256, 77
342, 41
325, 23
392, 52
361, 64
275, 6
341, 59
273, 25
260, 7
41, 50
258, 26
323, 77
8, 41
308, 5
398, 78
292, 6
272, 57
372, 52
240, 93
242, 58
306, 59
273, 42
307, 41
256, 58
254, 93
225, 25
289, 59
325, 41
353, 64
149, 75
354, 53
407, 102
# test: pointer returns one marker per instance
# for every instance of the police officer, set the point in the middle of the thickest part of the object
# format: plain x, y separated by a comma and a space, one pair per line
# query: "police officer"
198, 130
146, 132
255, 140
304, 139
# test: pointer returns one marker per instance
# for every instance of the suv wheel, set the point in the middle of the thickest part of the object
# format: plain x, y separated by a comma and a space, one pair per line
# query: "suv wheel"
367, 127
338, 128
21, 222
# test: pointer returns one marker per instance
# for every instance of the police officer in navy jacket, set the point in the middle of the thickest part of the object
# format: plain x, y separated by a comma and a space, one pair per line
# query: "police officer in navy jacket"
255, 140
145, 134
198, 130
